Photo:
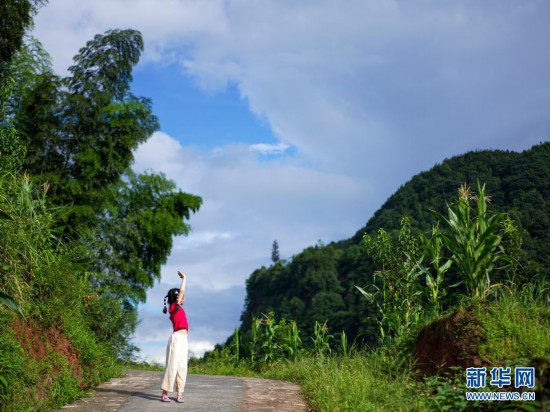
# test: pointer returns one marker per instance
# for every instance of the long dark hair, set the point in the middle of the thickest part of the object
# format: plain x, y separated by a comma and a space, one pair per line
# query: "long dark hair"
171, 297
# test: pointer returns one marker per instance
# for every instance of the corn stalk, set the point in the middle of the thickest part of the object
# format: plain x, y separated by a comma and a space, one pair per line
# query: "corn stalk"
474, 242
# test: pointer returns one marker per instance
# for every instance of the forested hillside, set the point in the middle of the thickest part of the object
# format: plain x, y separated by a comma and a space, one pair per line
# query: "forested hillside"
318, 283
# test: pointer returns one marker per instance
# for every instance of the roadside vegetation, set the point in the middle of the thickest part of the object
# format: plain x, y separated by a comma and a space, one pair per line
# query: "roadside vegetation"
463, 274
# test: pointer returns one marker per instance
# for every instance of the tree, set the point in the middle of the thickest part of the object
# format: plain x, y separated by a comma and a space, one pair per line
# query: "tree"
17, 17
134, 236
102, 122
80, 133
275, 252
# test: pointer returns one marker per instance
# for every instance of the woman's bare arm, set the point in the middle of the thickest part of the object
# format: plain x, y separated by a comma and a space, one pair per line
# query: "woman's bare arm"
181, 295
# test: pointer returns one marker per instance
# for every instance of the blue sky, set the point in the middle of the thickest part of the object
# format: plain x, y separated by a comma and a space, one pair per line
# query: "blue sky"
195, 116
296, 120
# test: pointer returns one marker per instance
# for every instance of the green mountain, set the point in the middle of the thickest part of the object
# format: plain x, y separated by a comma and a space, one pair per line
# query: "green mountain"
318, 283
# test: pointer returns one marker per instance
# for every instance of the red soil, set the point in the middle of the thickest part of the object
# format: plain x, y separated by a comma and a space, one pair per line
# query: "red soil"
450, 341
39, 343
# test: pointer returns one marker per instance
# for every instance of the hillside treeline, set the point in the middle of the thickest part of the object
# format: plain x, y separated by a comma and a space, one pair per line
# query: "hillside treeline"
82, 237
318, 284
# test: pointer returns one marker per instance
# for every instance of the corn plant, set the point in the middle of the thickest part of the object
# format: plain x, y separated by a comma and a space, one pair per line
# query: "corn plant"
345, 349
433, 251
292, 343
473, 239
254, 337
321, 339
269, 344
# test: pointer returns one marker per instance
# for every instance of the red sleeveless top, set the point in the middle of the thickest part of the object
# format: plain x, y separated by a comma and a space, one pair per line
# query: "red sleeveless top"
178, 317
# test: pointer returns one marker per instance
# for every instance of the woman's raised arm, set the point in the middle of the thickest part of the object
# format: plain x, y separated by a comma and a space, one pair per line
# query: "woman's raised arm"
181, 295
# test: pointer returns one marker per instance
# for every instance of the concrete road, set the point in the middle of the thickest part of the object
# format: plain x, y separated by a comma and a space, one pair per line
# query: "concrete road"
139, 391
202, 393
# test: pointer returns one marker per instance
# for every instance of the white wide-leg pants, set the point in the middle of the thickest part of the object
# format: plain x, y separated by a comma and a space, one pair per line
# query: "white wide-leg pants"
176, 363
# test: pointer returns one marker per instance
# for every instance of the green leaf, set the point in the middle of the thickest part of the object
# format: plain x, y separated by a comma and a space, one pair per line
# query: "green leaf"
10, 303
367, 295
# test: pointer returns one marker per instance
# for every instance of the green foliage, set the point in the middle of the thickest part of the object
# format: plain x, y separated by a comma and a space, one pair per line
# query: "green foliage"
13, 363
8, 301
321, 339
445, 393
379, 379
81, 130
520, 187
473, 246
81, 236
466, 243
268, 341
12, 153
134, 237
307, 290
517, 324
474, 241
398, 294
355, 383
44, 276
17, 17
345, 348
331, 383
432, 249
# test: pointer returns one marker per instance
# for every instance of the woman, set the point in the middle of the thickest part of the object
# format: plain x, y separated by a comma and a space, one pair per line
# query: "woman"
177, 348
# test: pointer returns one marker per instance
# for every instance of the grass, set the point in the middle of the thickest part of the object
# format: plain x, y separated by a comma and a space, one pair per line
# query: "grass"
356, 383
517, 326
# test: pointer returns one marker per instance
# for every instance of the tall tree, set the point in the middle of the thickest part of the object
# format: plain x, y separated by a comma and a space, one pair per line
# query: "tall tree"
102, 122
80, 133
275, 252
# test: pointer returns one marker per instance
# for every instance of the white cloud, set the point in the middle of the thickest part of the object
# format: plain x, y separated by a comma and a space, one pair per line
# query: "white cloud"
349, 85
269, 149
64, 26
248, 203
366, 93
198, 348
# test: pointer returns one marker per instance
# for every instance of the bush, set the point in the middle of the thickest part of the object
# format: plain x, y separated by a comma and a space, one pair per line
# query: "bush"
49, 357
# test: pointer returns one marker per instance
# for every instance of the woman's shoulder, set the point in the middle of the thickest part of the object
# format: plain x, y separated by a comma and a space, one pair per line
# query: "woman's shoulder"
173, 307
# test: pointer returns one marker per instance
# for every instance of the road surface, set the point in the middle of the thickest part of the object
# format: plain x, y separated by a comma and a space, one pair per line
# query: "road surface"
139, 391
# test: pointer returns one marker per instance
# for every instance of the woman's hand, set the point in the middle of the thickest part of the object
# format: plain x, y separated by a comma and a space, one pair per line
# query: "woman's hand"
181, 274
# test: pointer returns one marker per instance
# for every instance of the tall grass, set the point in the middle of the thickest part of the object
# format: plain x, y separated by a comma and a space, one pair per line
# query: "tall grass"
517, 324
355, 383
45, 279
